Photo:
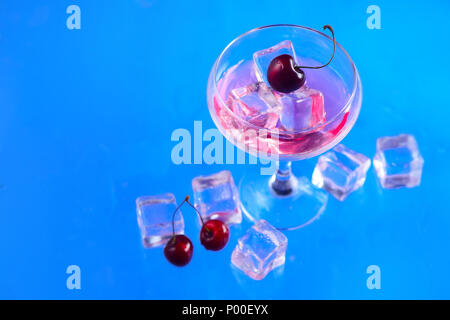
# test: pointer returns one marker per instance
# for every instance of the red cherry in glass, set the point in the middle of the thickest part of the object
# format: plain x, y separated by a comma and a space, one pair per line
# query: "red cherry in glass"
214, 235
179, 250
283, 75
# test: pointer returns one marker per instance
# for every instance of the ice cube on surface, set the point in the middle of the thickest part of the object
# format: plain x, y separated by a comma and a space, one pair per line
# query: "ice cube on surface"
301, 109
341, 171
261, 249
398, 162
262, 58
154, 216
216, 197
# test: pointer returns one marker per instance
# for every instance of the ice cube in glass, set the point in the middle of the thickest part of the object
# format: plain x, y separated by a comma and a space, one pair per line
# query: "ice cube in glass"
262, 58
154, 216
256, 104
260, 250
301, 109
341, 171
216, 197
398, 162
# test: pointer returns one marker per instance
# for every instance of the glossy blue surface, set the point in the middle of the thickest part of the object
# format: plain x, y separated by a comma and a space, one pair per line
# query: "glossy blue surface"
86, 118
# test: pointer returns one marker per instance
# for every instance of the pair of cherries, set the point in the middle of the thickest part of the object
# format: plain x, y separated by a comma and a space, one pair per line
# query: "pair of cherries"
214, 236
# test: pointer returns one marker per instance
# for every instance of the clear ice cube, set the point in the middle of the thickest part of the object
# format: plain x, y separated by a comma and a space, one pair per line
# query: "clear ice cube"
216, 197
398, 162
301, 109
341, 171
256, 104
266, 120
261, 249
262, 58
154, 216
254, 99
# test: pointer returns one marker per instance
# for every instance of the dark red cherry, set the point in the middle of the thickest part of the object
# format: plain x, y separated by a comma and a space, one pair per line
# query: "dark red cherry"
283, 75
179, 250
214, 235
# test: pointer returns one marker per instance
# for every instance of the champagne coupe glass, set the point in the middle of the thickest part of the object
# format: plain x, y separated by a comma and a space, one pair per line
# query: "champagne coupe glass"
259, 120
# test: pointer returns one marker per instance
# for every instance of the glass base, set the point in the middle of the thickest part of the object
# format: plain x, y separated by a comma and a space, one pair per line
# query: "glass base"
297, 205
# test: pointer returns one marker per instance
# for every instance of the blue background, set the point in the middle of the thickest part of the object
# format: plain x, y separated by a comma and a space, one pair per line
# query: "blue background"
86, 118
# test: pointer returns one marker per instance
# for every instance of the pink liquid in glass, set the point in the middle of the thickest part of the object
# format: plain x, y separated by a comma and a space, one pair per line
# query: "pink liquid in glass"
262, 132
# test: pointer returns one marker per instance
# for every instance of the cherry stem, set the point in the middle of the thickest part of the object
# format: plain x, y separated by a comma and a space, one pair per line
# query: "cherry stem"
186, 199
173, 216
193, 207
332, 56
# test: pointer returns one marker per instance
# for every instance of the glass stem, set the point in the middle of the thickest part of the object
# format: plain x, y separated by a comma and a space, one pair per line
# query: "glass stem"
283, 181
